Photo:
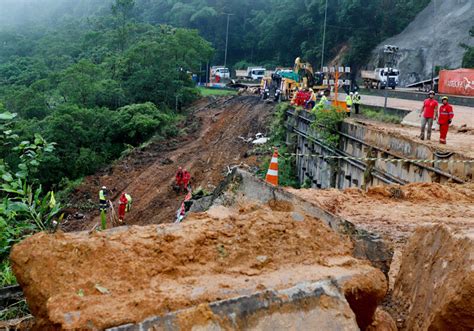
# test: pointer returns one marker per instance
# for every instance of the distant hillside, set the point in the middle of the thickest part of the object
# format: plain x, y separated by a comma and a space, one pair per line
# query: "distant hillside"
15, 13
434, 35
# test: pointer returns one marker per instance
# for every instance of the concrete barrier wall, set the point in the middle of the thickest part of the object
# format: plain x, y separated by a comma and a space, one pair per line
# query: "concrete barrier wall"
359, 141
298, 308
420, 96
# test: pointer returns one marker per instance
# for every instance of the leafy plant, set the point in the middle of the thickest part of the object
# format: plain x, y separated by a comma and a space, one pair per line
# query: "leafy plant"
327, 124
24, 208
7, 278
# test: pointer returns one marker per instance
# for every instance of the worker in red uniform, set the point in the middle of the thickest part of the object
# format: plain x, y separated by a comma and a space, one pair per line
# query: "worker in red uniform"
179, 178
429, 111
445, 118
122, 207
186, 179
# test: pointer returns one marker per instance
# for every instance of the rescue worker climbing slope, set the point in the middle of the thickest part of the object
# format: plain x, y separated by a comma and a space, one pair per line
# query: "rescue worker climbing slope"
445, 118
179, 178
122, 207
186, 179
129, 202
103, 207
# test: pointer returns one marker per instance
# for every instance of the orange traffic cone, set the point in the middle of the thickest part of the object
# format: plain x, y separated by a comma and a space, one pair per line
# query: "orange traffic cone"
272, 174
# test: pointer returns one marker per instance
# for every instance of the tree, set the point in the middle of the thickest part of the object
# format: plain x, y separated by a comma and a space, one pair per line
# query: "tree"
468, 58
122, 11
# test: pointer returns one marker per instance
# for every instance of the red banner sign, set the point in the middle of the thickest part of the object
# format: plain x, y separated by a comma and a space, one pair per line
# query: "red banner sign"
457, 82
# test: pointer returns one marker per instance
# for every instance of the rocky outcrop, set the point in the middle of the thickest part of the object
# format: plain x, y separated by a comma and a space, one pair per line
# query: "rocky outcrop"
433, 38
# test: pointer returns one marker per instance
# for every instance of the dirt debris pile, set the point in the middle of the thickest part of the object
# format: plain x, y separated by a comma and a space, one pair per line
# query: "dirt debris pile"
435, 286
396, 211
126, 275
430, 227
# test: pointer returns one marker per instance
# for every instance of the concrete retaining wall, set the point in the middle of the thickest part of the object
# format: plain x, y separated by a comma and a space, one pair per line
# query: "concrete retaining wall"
298, 308
360, 141
420, 96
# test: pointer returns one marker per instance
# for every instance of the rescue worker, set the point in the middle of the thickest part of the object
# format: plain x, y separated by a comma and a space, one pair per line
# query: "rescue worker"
349, 103
186, 179
179, 178
323, 102
129, 202
103, 207
357, 102
429, 112
122, 207
312, 100
445, 118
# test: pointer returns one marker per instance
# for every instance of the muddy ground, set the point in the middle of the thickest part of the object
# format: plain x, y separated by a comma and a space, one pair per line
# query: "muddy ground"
210, 146
396, 212
125, 275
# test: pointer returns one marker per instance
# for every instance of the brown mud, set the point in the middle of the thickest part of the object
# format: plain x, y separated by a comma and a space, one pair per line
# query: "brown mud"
128, 274
211, 145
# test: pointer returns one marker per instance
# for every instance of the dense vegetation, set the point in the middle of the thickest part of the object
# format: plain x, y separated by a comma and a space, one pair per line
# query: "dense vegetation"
74, 95
272, 32
96, 86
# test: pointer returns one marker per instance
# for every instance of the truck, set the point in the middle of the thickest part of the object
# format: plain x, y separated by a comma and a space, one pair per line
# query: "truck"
221, 71
255, 73
380, 78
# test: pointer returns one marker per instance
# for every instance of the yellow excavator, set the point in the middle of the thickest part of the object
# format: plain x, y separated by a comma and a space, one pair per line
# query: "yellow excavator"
284, 82
307, 77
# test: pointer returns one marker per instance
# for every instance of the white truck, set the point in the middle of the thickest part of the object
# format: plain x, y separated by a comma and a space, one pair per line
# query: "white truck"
255, 73
221, 71
380, 78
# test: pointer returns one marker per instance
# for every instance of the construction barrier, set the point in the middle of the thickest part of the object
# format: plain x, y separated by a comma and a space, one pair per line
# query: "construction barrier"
457, 82
272, 174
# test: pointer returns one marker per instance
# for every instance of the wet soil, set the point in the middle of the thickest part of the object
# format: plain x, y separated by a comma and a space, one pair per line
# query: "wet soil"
212, 144
128, 274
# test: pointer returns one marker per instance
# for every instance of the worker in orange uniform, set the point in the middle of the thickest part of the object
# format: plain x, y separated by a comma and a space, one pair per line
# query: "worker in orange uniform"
428, 111
445, 118
186, 179
179, 178
122, 207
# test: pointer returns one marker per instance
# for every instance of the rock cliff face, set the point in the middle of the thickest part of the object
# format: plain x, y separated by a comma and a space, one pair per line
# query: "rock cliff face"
434, 37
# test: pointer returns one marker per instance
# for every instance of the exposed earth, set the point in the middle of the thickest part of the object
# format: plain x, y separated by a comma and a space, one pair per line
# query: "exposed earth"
251, 246
214, 141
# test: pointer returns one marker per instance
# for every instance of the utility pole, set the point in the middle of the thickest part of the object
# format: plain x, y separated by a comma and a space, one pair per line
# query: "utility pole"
433, 47
324, 34
226, 40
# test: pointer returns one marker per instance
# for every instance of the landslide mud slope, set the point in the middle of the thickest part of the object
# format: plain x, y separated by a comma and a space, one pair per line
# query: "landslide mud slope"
395, 212
211, 145
435, 287
125, 275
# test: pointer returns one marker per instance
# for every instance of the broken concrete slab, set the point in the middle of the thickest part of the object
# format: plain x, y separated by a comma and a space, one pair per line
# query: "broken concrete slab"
300, 307
435, 285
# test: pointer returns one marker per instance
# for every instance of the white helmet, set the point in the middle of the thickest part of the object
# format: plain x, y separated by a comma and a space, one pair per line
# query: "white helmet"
104, 188
351, 93
357, 93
